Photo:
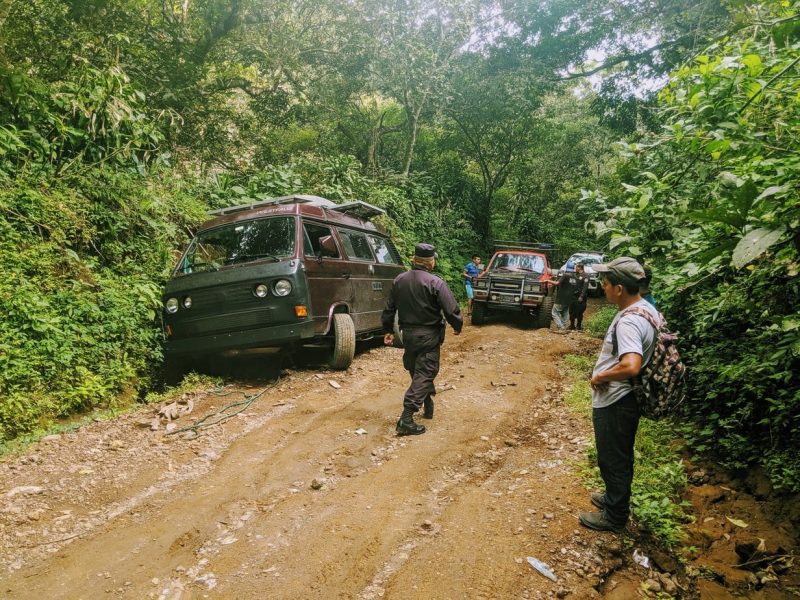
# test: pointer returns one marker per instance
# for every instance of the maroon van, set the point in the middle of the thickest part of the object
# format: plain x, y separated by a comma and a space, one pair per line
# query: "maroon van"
282, 273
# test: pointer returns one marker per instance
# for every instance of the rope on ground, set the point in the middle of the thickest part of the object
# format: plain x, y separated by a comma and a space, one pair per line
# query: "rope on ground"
223, 414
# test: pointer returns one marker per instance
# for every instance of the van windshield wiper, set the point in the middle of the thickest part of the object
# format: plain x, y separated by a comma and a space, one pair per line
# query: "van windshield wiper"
241, 257
210, 266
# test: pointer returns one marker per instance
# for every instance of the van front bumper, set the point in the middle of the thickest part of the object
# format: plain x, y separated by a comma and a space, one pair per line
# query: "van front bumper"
271, 336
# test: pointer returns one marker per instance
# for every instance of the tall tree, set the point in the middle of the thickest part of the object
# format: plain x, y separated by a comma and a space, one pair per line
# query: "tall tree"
415, 44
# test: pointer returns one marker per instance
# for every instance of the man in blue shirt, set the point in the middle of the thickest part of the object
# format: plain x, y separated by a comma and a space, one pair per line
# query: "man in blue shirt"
471, 271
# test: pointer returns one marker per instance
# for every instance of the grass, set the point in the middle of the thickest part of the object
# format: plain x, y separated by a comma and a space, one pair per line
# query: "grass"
191, 382
659, 476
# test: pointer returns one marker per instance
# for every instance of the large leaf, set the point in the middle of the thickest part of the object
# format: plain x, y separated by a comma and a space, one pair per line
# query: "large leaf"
718, 215
744, 196
617, 240
772, 190
754, 244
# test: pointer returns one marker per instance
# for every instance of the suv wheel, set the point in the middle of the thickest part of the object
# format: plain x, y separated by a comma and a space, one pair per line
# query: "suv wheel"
344, 341
545, 313
478, 313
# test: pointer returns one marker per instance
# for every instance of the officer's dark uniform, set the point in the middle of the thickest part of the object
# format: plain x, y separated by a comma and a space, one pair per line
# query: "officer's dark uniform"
420, 298
578, 305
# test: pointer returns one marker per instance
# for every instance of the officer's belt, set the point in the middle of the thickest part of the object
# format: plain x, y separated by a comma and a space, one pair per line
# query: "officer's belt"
421, 327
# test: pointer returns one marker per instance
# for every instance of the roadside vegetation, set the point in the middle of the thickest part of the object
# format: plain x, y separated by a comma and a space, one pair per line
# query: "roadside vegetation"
466, 121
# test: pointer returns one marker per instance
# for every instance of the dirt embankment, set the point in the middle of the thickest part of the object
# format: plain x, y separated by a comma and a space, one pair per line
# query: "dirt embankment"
309, 494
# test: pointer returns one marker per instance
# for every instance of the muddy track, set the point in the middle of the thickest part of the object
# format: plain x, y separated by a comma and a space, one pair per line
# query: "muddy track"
288, 501
309, 494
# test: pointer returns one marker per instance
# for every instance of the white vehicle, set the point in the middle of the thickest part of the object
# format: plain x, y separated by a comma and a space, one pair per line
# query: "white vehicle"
588, 259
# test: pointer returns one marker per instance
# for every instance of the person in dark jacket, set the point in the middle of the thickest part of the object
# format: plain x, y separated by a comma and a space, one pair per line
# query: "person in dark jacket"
564, 297
580, 292
420, 299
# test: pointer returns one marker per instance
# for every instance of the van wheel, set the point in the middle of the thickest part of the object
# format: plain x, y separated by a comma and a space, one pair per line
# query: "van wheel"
478, 313
172, 371
545, 314
344, 341
398, 333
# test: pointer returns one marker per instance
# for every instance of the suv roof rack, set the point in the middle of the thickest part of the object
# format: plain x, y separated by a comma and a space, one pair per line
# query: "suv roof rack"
296, 199
529, 246
359, 209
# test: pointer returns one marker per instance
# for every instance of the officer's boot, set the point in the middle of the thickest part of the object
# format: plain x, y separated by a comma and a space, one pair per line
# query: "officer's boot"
406, 425
427, 412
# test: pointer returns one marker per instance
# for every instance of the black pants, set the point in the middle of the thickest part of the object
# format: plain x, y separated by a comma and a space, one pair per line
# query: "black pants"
421, 360
614, 433
576, 310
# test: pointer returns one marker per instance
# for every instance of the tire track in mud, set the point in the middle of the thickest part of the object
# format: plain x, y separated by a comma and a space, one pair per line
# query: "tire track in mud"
243, 519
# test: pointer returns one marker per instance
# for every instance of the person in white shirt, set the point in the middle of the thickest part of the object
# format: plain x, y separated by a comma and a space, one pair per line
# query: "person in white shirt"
628, 345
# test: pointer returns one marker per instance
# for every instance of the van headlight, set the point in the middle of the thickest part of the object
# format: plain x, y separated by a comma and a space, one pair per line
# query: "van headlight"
187, 302
261, 291
171, 305
282, 287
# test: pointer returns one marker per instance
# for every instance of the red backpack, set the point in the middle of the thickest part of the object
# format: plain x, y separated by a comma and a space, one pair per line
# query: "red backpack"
659, 387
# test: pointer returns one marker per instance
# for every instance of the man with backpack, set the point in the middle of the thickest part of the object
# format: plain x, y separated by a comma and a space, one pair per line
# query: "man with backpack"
627, 348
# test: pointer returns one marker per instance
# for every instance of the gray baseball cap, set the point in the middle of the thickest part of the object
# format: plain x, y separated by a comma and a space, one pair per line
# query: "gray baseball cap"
625, 268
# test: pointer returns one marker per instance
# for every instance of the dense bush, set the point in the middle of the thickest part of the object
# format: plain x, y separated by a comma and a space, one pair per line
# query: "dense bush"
713, 203
82, 261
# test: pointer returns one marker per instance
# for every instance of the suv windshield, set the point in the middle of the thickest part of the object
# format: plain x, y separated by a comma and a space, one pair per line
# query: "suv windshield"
586, 259
518, 262
272, 238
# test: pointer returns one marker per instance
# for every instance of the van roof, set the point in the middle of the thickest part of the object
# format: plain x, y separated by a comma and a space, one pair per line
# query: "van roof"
352, 214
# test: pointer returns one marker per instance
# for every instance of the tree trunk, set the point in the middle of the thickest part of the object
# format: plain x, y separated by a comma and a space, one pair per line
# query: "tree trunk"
412, 113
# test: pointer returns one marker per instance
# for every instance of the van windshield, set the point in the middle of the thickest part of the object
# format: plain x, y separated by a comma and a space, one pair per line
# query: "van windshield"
272, 238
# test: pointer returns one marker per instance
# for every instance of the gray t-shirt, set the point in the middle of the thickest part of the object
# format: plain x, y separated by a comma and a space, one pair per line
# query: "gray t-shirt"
634, 334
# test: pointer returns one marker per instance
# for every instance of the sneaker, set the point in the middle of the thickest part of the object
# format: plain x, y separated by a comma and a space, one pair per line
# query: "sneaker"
599, 522
599, 500
408, 427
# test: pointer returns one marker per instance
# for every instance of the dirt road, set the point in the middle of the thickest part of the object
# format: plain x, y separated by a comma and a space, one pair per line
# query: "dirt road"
309, 494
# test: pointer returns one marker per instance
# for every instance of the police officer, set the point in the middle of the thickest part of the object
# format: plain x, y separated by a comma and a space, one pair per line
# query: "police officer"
420, 298
581, 291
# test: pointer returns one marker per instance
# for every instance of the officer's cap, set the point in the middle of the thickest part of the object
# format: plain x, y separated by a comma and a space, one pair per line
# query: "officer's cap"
425, 251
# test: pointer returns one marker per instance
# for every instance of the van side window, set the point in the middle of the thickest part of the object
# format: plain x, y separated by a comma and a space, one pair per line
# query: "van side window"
355, 244
384, 251
312, 235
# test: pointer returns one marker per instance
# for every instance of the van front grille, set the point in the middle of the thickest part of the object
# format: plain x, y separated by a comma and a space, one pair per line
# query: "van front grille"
199, 326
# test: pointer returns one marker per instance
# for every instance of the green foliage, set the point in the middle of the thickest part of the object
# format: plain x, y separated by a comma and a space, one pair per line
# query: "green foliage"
82, 260
597, 325
659, 476
712, 202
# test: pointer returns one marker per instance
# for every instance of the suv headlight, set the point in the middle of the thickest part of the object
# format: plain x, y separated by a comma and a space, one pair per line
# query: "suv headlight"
282, 287
171, 305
